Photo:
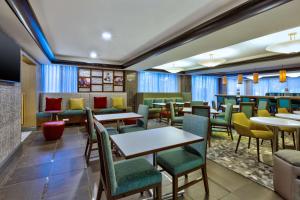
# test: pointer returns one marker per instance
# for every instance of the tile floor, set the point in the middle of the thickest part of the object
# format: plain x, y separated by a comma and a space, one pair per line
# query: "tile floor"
57, 170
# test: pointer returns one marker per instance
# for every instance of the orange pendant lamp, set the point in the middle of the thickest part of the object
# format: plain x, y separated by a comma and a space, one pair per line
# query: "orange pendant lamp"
255, 77
282, 76
240, 79
224, 80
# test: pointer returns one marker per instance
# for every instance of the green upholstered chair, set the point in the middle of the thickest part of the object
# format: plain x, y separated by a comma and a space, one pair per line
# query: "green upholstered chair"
141, 124
92, 139
197, 103
125, 177
175, 120
230, 100
182, 161
148, 102
262, 104
284, 103
247, 108
158, 100
203, 111
224, 123
245, 99
214, 105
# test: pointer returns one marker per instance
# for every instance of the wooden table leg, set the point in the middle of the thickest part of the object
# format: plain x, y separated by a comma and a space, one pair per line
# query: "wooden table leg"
275, 139
298, 139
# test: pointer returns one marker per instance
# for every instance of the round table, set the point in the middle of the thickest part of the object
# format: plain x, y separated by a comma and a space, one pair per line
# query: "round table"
275, 123
288, 116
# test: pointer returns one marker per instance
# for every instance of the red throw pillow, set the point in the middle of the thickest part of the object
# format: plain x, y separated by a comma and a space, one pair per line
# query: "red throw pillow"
100, 102
53, 104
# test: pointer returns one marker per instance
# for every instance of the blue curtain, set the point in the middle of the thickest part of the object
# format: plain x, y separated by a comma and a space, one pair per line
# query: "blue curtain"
59, 78
157, 82
272, 84
233, 86
204, 88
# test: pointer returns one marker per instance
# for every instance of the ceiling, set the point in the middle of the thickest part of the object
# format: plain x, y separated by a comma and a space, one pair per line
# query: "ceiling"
73, 28
232, 38
251, 49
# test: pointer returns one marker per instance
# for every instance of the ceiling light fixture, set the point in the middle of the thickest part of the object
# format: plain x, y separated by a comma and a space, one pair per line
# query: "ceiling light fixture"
212, 62
106, 36
93, 54
291, 46
174, 71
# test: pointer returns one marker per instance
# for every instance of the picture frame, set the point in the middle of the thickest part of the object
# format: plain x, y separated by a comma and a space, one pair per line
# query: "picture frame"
84, 73
118, 80
84, 82
108, 76
108, 88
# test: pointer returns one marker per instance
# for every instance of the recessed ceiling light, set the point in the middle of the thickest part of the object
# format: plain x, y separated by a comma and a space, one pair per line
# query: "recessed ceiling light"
93, 54
106, 36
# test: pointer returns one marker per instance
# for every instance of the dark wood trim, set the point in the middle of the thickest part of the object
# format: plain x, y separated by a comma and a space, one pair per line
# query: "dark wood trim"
255, 60
101, 65
235, 15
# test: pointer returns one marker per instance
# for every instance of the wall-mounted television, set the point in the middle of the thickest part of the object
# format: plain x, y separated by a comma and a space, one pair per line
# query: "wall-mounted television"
9, 59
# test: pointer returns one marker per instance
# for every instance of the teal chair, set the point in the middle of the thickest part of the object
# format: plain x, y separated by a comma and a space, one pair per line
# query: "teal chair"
203, 111
224, 123
92, 138
284, 103
141, 123
175, 120
230, 100
214, 105
262, 104
126, 177
182, 161
245, 99
247, 108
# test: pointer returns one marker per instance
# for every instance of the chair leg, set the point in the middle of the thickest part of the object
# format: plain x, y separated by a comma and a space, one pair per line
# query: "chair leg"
158, 192
238, 143
100, 190
282, 136
294, 141
205, 179
272, 146
262, 141
175, 187
230, 130
86, 147
257, 146
89, 153
249, 142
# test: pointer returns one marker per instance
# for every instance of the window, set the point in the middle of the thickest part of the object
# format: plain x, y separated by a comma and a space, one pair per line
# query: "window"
204, 88
59, 78
233, 86
272, 84
157, 82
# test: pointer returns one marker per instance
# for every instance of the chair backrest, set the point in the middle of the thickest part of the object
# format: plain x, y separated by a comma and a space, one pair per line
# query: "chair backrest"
282, 110
214, 105
107, 169
241, 123
247, 108
228, 112
246, 99
172, 111
262, 104
263, 113
230, 100
201, 111
196, 103
197, 125
284, 103
143, 110
90, 121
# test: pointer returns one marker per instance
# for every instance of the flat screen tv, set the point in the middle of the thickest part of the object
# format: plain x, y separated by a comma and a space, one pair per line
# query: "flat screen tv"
9, 59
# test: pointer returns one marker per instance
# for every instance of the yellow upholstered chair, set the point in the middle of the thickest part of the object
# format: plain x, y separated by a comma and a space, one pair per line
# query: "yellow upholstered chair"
284, 129
244, 127
282, 110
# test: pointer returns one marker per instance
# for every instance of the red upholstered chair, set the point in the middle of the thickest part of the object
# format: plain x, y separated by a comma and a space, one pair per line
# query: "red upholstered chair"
53, 130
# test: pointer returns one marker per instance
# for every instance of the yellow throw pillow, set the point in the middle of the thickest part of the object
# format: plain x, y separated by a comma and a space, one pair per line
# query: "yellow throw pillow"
76, 103
117, 102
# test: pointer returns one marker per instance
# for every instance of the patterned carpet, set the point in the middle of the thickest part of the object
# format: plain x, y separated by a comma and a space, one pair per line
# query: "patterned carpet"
244, 162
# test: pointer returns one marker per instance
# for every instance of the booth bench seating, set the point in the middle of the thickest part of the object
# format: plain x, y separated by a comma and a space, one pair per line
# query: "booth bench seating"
79, 116
150, 98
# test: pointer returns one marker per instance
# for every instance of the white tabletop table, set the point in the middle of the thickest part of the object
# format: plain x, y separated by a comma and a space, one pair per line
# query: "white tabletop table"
275, 123
297, 112
117, 117
189, 110
233, 106
288, 116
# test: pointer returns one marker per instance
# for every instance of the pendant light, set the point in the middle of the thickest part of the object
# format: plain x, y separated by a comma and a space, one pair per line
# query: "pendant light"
291, 46
212, 62
240, 79
224, 80
255, 77
282, 76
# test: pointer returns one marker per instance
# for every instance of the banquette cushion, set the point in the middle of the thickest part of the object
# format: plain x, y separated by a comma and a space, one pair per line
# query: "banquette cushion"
53, 104
100, 102
76, 103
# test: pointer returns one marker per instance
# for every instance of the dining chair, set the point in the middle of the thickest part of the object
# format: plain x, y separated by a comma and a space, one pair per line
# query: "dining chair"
175, 120
141, 124
247, 108
182, 161
196, 103
126, 177
214, 105
203, 111
92, 139
265, 113
262, 104
224, 123
284, 103
244, 127
230, 100
166, 113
